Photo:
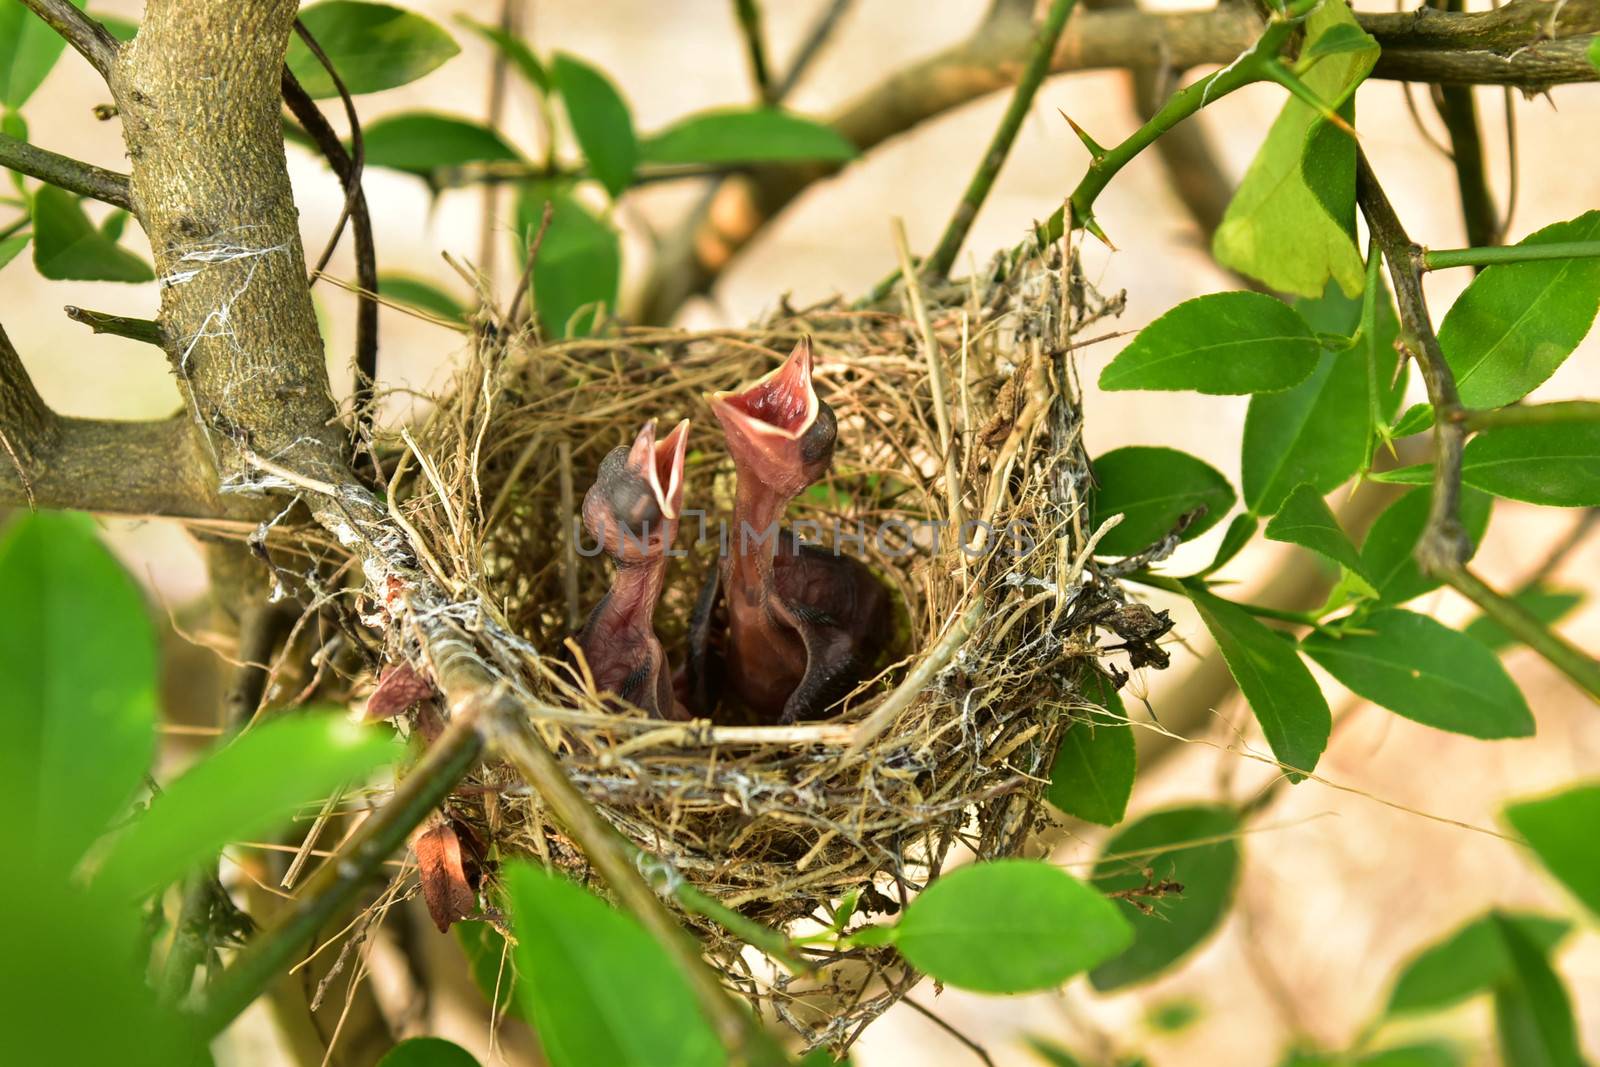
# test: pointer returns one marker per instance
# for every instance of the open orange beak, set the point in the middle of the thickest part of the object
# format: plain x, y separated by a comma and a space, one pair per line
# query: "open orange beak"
765, 420
660, 464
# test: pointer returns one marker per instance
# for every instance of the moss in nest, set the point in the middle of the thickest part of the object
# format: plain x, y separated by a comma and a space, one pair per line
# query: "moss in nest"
949, 745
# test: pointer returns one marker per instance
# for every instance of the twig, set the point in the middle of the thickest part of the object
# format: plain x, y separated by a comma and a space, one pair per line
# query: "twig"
534, 244
920, 677
810, 48
1487, 257
119, 325
70, 174
1044, 46
510, 23
1444, 547
749, 15
348, 171
928, 1013
1557, 411
92, 40
1459, 110
338, 880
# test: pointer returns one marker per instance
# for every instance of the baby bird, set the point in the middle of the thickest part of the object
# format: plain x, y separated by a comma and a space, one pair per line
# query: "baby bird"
804, 624
632, 510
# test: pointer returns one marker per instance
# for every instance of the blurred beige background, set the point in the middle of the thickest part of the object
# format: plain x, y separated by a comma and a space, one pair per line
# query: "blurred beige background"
1340, 884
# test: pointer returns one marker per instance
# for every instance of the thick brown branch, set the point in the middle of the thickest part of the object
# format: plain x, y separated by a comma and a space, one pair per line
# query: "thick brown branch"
70, 174
91, 39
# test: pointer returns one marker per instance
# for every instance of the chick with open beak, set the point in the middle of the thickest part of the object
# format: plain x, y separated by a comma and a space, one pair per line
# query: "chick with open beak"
632, 510
804, 624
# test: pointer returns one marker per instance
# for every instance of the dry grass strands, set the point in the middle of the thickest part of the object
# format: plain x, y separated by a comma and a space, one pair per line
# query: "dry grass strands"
947, 748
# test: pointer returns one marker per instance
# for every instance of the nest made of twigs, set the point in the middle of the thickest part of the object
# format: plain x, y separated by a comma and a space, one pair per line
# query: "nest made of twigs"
955, 406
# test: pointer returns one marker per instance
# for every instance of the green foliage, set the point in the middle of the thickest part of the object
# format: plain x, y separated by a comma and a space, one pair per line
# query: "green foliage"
1471, 961
598, 988
1291, 223
372, 46
67, 246
1554, 464
420, 142
579, 264
1560, 830
1224, 343
1518, 322
1092, 775
421, 294
488, 957
757, 135
78, 707
1319, 432
1424, 670
241, 791
600, 121
28, 49
1009, 926
1594, 53
1174, 1016
1152, 489
1193, 847
1286, 700
1423, 1055
428, 1052
1533, 1015
1306, 520
1387, 551
1549, 606
11, 246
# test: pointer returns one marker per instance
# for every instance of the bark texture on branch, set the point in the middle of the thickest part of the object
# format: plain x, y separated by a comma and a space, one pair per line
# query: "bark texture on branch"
198, 93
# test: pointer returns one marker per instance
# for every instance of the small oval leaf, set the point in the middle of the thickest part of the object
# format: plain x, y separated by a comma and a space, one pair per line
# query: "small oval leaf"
372, 46
1224, 343
428, 1052
1092, 775
1388, 550
1152, 489
1470, 961
1009, 926
1560, 830
758, 135
600, 121
420, 142
68, 247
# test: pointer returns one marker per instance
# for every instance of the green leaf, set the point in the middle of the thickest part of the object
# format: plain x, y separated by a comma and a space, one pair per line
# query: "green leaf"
78, 704
579, 264
421, 294
420, 142
1560, 830
28, 49
1533, 1014
1390, 544
372, 46
1418, 417
1174, 1016
12, 245
1549, 606
1424, 1055
1317, 432
1594, 53
756, 135
1557, 464
1291, 224
600, 121
428, 1052
67, 246
514, 49
1191, 846
1517, 322
1306, 520
1286, 700
1470, 961
1009, 926
1234, 538
252, 785
1224, 343
1051, 1053
1424, 670
1092, 775
1152, 489
597, 987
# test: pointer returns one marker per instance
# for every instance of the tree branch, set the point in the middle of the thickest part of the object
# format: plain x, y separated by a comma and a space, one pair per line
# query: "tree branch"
119, 325
1511, 46
92, 40
1444, 547
70, 174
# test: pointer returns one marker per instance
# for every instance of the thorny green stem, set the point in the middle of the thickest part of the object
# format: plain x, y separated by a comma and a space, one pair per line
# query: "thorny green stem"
1259, 63
1044, 46
1558, 411
338, 880
64, 171
1489, 257
1443, 548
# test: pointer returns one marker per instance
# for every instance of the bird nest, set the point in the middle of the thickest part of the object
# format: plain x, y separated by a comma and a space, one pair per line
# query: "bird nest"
959, 477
